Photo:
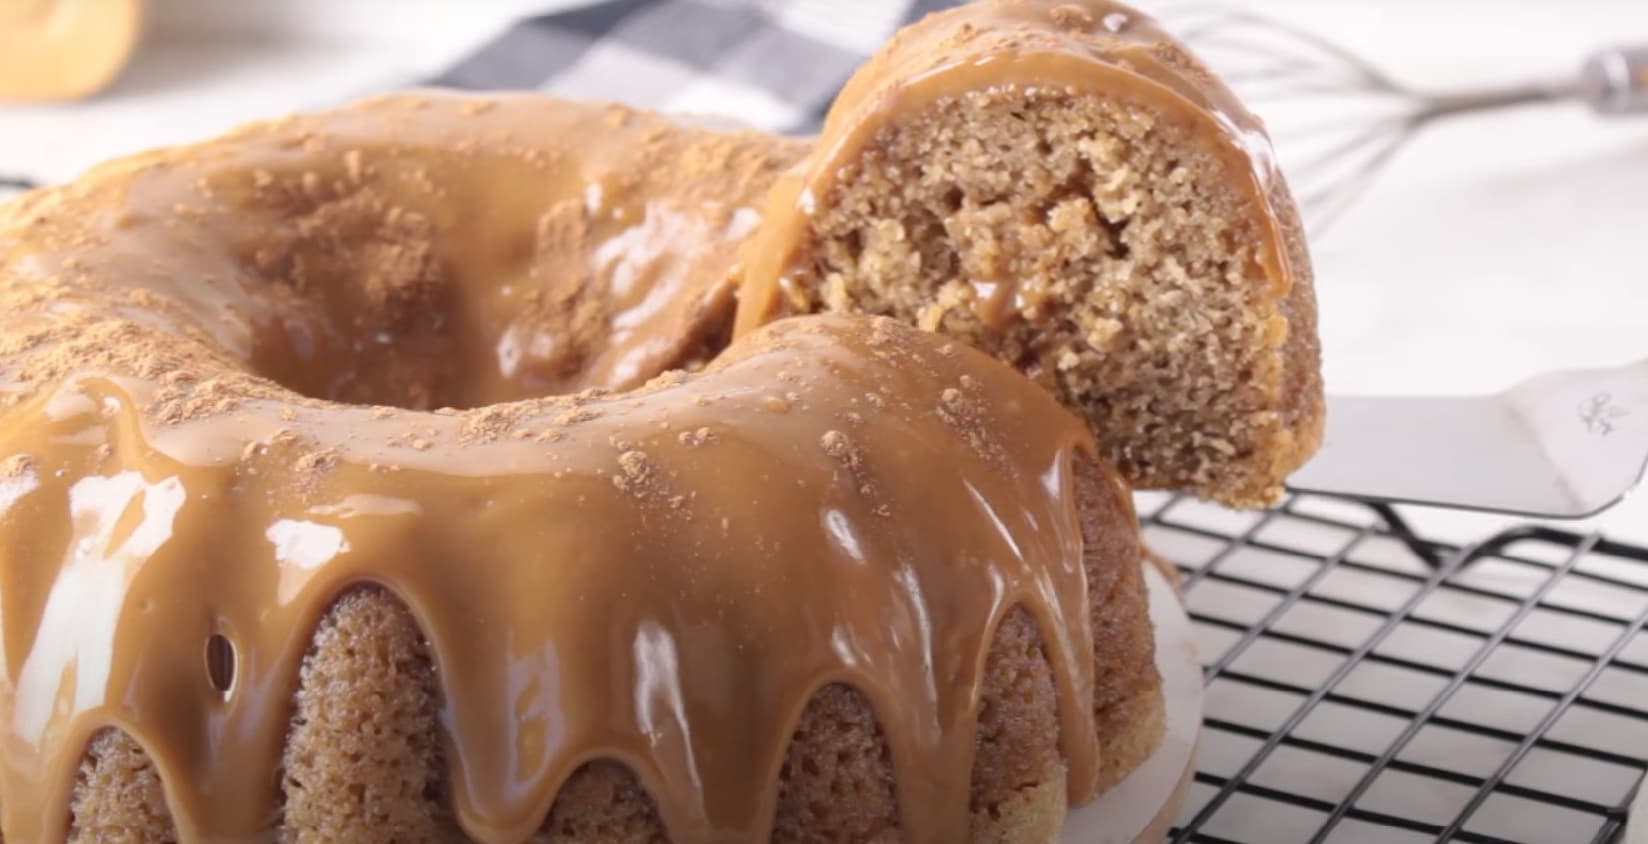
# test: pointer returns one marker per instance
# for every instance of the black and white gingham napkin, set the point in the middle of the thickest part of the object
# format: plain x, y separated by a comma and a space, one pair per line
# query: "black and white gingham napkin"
770, 64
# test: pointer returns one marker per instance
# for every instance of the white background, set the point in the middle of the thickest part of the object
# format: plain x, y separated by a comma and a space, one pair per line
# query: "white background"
1492, 248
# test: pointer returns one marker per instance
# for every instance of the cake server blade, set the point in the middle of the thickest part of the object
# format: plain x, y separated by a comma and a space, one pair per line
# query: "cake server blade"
1565, 444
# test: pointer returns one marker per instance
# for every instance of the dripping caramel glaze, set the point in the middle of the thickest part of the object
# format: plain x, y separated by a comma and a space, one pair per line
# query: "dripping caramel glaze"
664, 581
197, 351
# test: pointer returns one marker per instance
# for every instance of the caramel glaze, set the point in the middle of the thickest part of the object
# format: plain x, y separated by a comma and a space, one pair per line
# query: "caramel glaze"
1083, 46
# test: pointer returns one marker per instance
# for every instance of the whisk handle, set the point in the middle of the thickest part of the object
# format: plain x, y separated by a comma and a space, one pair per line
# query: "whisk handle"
1616, 80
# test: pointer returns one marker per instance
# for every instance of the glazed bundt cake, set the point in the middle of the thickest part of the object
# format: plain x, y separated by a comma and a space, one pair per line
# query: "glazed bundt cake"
1061, 184
851, 582
392, 474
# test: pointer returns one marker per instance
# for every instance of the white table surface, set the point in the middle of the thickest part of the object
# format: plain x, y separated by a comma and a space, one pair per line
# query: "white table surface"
1493, 248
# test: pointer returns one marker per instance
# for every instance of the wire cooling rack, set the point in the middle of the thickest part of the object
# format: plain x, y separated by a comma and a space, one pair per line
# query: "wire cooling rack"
1365, 685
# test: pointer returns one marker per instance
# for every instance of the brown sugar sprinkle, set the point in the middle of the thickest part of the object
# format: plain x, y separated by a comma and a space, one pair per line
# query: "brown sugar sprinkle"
214, 396
16, 465
488, 423
635, 472
840, 447
699, 437
836, 445
672, 378
1072, 16
966, 417
318, 461
576, 415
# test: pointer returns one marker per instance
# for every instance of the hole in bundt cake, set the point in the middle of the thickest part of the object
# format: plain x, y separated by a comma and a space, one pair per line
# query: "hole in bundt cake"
376, 281
360, 304
1098, 245
220, 663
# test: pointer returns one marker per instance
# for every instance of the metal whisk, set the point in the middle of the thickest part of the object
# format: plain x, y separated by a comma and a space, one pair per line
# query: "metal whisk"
1356, 116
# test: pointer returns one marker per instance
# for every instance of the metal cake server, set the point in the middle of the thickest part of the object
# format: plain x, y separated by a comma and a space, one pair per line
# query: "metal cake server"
1565, 444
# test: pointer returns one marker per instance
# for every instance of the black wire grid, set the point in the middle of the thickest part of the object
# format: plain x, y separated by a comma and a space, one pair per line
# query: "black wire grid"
1365, 685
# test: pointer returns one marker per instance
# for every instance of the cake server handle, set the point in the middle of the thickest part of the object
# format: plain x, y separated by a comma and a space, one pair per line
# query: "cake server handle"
1615, 81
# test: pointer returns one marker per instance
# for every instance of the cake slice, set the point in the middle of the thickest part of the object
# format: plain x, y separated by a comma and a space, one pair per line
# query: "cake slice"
1064, 186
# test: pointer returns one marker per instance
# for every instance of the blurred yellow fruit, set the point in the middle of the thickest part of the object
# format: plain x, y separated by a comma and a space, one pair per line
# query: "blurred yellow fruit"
64, 49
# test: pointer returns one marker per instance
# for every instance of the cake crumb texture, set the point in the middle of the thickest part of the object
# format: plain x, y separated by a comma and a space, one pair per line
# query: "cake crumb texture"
1101, 247
363, 759
1018, 783
118, 797
1127, 700
601, 802
837, 780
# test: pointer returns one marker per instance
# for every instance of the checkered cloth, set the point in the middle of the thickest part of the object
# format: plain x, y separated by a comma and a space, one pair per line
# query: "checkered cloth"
771, 64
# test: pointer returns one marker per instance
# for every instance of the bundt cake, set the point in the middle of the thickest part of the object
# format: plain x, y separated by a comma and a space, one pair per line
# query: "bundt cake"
850, 582
449, 468
1061, 184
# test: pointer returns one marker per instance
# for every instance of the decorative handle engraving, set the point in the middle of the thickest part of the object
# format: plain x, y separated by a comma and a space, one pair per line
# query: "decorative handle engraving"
1599, 412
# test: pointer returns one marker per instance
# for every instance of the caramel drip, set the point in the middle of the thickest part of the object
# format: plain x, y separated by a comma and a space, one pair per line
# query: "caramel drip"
1096, 47
663, 580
